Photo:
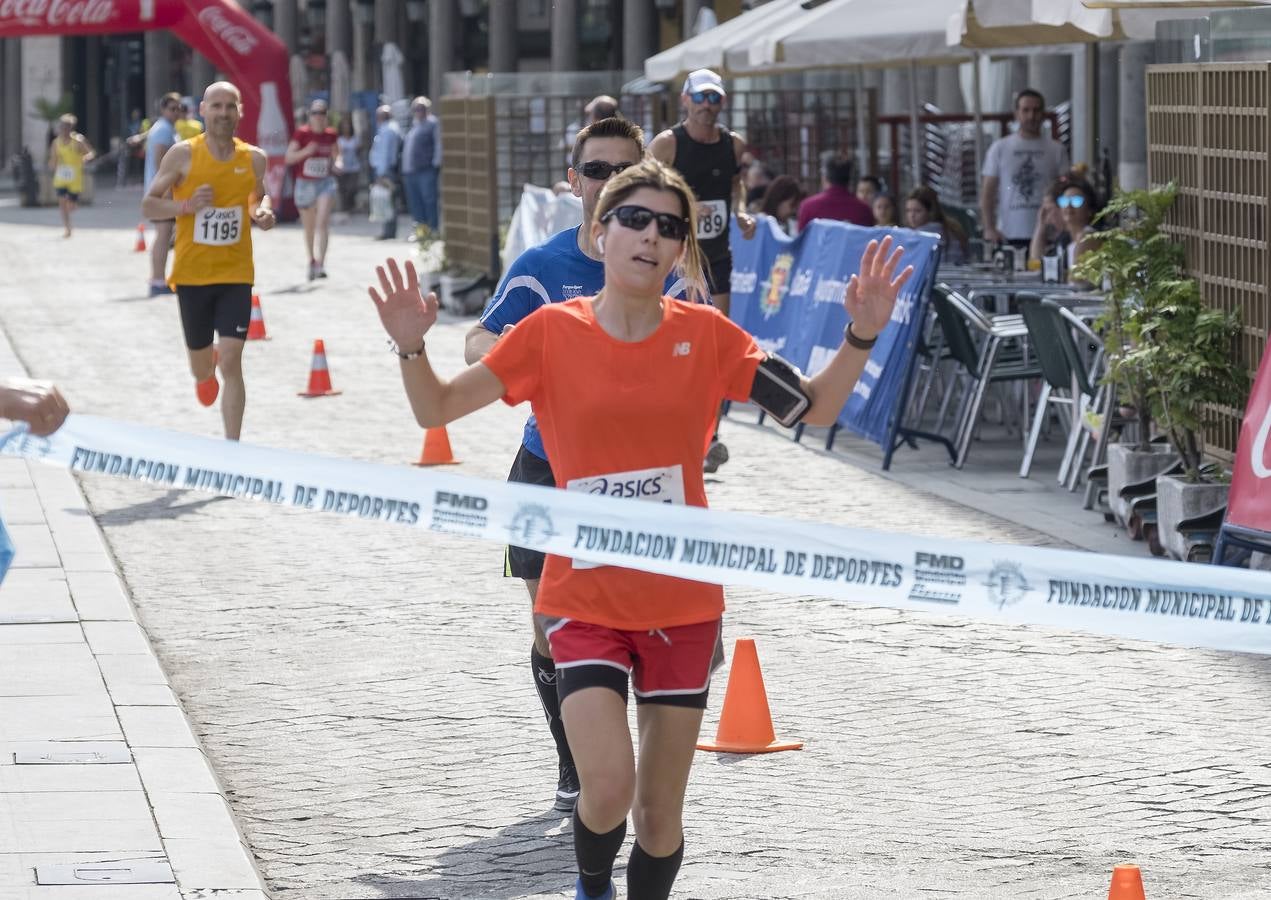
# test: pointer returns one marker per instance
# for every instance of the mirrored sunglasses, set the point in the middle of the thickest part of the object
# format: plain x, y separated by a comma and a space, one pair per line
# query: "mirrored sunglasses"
706, 97
599, 170
1076, 201
637, 218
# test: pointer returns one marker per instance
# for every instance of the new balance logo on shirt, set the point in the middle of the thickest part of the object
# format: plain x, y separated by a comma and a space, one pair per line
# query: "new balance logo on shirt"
682, 348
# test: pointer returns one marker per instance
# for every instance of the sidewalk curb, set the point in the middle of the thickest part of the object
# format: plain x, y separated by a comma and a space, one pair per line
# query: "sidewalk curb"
189, 811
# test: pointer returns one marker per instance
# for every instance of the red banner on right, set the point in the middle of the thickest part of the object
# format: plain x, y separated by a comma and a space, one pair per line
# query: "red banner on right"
1249, 503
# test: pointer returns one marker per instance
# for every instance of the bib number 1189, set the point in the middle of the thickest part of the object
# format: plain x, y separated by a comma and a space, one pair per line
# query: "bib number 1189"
712, 219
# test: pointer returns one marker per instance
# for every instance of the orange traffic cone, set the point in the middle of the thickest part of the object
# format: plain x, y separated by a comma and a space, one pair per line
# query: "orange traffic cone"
437, 450
319, 376
1127, 883
745, 726
140, 246
256, 327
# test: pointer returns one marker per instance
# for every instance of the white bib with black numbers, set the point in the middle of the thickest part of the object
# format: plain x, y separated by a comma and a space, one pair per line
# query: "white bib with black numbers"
663, 485
712, 219
64, 173
218, 226
316, 167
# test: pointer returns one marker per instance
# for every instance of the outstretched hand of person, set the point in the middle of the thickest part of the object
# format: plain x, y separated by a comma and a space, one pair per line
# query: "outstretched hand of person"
37, 403
405, 315
871, 294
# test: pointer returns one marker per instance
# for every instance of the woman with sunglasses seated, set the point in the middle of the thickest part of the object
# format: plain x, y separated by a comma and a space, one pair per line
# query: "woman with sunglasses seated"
1069, 220
627, 384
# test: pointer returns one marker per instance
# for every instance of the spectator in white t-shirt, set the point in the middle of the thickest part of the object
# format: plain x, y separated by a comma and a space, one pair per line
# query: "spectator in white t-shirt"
1017, 172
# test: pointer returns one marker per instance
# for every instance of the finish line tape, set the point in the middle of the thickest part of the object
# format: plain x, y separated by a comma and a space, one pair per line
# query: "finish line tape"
1157, 600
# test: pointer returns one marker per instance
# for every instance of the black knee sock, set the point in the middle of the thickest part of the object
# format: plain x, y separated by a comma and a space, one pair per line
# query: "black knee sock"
595, 854
651, 877
545, 682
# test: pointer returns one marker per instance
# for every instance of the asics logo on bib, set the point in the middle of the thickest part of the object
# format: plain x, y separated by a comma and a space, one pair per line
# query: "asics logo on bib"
633, 488
683, 348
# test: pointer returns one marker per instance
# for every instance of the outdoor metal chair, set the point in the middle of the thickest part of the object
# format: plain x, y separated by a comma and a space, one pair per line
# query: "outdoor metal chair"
982, 362
1068, 377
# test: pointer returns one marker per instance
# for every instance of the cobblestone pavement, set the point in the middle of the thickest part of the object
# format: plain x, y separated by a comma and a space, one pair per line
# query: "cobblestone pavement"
363, 693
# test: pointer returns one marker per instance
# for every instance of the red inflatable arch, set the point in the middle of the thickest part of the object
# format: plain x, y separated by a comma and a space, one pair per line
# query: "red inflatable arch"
253, 58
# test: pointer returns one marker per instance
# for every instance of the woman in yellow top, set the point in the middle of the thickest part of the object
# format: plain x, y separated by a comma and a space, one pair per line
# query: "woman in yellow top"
217, 197
67, 155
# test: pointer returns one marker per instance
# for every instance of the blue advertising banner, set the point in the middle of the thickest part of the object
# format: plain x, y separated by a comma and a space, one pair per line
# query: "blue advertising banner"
788, 293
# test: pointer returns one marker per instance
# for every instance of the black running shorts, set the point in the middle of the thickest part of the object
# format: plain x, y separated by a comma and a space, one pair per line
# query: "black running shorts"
223, 308
527, 468
719, 275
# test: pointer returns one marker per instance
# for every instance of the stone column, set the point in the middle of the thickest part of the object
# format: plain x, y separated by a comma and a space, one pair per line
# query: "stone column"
1051, 75
361, 55
1085, 116
503, 36
286, 23
949, 89
41, 79
10, 96
386, 25
926, 85
441, 25
565, 36
1107, 138
639, 30
1132, 166
157, 54
202, 73
339, 28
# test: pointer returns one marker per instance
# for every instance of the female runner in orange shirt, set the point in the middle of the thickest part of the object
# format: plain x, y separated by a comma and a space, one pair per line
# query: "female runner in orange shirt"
627, 384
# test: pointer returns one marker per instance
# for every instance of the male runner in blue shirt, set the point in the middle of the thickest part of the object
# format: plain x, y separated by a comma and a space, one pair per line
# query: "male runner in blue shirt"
565, 266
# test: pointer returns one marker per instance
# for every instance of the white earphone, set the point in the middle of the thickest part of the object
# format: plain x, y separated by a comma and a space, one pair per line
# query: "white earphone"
600, 245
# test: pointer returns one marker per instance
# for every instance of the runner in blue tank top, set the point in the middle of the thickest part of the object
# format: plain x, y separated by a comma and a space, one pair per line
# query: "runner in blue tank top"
563, 267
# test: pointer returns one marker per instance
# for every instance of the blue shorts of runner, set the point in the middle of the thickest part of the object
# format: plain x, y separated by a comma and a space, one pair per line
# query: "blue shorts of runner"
670, 666
223, 308
527, 468
308, 190
67, 192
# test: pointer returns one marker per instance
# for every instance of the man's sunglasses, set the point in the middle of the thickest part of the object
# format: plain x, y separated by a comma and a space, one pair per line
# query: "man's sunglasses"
599, 170
710, 97
637, 218
1076, 201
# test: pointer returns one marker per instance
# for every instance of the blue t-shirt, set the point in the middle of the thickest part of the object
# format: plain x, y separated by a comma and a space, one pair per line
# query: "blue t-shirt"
161, 134
554, 271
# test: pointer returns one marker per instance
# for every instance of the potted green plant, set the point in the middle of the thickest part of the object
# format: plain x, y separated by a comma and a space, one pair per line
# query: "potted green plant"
1132, 259
1188, 349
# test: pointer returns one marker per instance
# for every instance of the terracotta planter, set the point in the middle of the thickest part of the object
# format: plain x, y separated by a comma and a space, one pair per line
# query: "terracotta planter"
1176, 501
1129, 466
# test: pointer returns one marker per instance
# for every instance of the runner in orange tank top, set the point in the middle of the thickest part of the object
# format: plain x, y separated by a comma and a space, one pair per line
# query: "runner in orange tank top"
625, 387
218, 194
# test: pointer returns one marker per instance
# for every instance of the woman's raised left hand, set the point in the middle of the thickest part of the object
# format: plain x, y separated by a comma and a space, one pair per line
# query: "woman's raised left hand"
871, 294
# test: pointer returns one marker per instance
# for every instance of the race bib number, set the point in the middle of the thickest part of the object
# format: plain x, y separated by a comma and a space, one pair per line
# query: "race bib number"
218, 226
316, 167
712, 219
64, 173
652, 485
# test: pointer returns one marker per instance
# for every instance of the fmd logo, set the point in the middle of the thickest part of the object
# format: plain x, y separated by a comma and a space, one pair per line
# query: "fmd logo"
937, 561
461, 501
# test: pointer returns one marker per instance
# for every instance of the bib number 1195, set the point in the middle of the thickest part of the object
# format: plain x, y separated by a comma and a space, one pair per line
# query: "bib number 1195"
218, 226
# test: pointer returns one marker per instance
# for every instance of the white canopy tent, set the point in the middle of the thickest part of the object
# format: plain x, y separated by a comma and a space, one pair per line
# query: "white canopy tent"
706, 50
1024, 23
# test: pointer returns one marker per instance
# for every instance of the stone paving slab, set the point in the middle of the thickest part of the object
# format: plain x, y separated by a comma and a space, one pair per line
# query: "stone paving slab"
362, 692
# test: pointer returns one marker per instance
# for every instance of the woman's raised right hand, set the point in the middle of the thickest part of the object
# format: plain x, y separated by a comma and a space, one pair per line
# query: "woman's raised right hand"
405, 315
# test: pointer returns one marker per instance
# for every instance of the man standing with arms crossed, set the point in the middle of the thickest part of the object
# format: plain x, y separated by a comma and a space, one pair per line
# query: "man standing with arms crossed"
566, 266
160, 138
1018, 170
218, 193
707, 154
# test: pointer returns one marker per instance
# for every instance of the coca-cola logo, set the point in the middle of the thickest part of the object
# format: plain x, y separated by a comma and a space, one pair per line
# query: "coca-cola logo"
238, 37
54, 13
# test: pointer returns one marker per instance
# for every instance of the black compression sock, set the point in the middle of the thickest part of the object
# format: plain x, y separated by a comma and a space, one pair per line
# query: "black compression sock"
545, 683
651, 877
595, 854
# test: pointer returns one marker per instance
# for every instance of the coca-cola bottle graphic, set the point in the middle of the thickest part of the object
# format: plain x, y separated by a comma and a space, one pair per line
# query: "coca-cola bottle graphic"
271, 136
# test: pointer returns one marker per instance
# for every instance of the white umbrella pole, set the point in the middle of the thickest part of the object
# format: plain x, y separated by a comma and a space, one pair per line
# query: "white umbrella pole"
862, 123
977, 109
915, 152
